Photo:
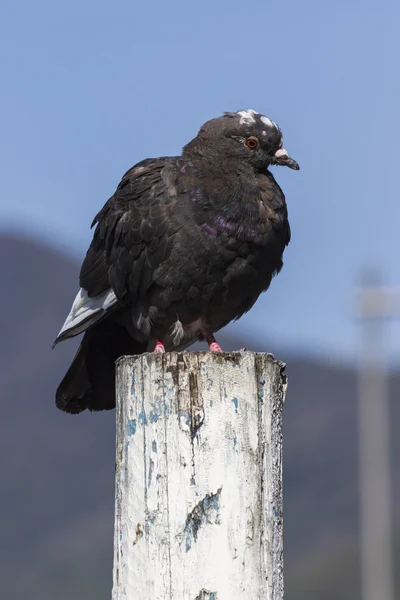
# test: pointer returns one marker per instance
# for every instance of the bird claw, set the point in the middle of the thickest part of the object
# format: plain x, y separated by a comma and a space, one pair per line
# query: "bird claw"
212, 344
214, 347
159, 347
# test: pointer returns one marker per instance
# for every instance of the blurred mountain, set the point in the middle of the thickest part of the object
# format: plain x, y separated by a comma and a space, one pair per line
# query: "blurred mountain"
57, 474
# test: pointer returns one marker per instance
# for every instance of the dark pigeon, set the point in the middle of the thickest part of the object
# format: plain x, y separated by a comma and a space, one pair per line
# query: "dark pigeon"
184, 246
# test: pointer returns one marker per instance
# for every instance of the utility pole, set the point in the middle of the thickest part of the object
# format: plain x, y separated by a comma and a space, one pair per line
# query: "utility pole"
376, 304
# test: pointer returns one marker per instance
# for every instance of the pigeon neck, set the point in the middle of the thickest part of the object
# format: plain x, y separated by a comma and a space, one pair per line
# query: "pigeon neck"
209, 161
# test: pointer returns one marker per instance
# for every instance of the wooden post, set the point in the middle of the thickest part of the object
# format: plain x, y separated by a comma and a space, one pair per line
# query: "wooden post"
198, 512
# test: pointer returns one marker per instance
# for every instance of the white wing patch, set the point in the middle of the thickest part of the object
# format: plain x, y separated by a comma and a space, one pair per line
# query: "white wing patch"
247, 116
84, 307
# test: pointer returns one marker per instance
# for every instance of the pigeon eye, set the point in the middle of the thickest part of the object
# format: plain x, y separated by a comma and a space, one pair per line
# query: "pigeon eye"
252, 142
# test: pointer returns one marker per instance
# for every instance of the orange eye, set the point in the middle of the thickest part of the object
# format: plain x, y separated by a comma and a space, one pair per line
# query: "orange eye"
252, 142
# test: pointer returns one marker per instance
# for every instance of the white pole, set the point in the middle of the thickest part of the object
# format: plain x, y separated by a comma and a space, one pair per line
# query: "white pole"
377, 583
199, 477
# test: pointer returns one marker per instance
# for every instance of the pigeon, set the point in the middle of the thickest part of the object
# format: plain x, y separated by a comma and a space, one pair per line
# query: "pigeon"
184, 246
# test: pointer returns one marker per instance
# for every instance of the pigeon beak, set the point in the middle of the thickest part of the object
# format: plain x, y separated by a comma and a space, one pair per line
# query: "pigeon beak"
281, 157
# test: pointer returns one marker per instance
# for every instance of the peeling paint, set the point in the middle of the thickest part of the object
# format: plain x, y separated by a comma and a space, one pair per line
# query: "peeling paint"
197, 421
154, 446
193, 385
151, 469
154, 416
249, 525
236, 404
131, 427
184, 419
196, 404
206, 595
174, 372
206, 512
139, 534
276, 512
167, 410
151, 517
143, 418
235, 443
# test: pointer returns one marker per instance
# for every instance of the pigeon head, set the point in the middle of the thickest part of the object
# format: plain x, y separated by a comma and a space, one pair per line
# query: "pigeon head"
244, 135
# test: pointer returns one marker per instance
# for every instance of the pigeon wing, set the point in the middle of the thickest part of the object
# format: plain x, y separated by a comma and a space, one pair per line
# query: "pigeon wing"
130, 241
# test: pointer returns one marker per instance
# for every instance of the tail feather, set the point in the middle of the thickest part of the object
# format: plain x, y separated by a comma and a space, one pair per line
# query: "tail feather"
90, 380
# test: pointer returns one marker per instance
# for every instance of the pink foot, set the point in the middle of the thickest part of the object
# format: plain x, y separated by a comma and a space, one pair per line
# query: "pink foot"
214, 347
212, 343
159, 347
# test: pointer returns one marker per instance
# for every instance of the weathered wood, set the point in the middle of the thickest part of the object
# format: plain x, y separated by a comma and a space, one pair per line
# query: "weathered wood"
199, 477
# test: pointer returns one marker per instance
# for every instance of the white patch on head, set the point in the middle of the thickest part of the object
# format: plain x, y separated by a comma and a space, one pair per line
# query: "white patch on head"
247, 116
264, 133
268, 122
84, 308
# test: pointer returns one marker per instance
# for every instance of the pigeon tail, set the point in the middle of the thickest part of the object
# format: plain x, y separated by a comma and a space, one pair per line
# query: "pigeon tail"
90, 380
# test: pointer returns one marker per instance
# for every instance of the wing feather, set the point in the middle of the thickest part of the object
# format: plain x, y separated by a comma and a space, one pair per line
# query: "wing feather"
130, 241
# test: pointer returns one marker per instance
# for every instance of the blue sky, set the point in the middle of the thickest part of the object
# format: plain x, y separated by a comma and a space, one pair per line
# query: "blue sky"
90, 88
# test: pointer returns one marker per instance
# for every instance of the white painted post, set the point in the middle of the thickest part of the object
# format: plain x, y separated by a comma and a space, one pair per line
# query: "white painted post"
377, 303
198, 512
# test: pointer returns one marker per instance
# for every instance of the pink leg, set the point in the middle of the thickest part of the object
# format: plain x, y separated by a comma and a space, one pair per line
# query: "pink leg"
213, 345
159, 347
